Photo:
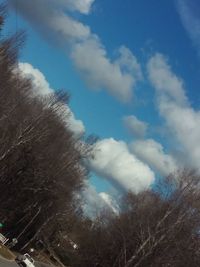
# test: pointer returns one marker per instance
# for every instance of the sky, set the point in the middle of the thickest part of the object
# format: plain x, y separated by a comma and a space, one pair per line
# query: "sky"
132, 68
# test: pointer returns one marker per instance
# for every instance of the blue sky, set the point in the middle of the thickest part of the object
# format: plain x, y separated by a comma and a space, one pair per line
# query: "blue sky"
147, 49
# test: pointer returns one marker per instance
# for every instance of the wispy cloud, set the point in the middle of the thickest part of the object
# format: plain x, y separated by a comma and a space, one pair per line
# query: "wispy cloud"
189, 11
55, 21
173, 105
83, 6
136, 127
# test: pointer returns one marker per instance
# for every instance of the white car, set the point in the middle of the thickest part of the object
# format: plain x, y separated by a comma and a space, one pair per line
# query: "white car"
25, 260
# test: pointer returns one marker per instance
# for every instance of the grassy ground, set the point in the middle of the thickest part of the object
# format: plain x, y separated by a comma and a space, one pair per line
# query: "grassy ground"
6, 253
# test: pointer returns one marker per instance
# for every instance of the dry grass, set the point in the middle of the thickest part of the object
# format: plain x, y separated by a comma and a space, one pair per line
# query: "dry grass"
6, 253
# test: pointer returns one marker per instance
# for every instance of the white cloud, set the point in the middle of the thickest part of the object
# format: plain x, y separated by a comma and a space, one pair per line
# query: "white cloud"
68, 29
182, 120
75, 125
110, 202
40, 85
52, 21
128, 62
113, 161
82, 6
42, 88
49, 17
188, 11
153, 154
93, 202
118, 77
135, 126
164, 80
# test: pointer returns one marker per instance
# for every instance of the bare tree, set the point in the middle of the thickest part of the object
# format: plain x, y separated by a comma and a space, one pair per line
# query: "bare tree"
40, 159
155, 228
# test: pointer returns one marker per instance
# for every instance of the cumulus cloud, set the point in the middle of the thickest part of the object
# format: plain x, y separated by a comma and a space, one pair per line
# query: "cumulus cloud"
113, 161
190, 17
40, 85
76, 126
42, 88
94, 202
154, 155
182, 120
135, 126
50, 18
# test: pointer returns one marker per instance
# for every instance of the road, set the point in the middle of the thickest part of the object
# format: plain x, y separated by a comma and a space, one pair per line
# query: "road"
7, 263
4, 263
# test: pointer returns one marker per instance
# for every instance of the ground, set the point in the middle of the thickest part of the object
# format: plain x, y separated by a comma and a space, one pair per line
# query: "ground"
7, 259
6, 253
6, 263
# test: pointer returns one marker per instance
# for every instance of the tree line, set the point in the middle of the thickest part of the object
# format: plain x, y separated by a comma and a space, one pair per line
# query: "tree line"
40, 159
156, 228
